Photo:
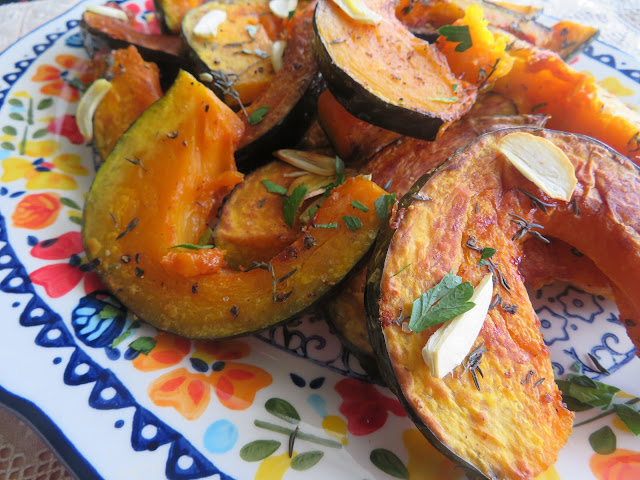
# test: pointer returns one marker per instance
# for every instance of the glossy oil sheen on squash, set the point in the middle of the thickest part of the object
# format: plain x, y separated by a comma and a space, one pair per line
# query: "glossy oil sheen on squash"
514, 425
156, 191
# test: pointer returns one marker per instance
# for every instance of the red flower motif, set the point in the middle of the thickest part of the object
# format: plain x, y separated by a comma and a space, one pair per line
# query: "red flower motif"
60, 278
67, 127
150, 24
364, 407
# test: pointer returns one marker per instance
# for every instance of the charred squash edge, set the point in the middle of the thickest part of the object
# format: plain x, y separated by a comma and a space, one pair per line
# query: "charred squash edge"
372, 293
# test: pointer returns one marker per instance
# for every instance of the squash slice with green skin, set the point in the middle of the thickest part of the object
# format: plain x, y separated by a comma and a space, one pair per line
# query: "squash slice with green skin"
156, 190
513, 423
386, 76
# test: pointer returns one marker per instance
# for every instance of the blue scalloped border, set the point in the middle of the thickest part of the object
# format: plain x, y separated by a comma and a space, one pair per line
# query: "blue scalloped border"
104, 378
54, 334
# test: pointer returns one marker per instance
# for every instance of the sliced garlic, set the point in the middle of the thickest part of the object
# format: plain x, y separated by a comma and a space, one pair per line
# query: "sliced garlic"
208, 25
107, 12
451, 343
277, 51
88, 105
359, 11
311, 162
281, 8
542, 162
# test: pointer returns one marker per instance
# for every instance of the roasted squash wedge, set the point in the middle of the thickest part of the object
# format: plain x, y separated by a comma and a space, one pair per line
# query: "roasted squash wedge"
400, 84
513, 423
237, 52
289, 100
101, 33
170, 12
565, 38
155, 192
135, 85
398, 167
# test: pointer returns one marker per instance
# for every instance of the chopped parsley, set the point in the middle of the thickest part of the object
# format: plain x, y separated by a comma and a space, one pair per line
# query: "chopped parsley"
257, 116
457, 34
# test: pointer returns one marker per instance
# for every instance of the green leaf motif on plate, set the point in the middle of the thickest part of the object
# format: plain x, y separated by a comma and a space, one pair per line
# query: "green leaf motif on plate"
306, 460
9, 130
603, 441
258, 450
15, 102
389, 463
45, 103
7, 146
67, 202
40, 133
630, 417
283, 410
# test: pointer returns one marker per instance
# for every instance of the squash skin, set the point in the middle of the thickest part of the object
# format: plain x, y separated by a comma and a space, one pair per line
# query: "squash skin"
170, 12
390, 96
398, 166
529, 417
291, 96
223, 55
100, 33
164, 192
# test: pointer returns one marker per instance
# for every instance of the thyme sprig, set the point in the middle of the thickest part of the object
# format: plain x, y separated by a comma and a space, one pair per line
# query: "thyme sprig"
536, 202
472, 364
489, 263
526, 227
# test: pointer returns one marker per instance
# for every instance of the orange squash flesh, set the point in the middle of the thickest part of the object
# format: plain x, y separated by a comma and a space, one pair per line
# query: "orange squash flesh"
353, 139
170, 12
384, 74
539, 80
565, 37
517, 427
251, 225
290, 97
164, 199
244, 58
135, 84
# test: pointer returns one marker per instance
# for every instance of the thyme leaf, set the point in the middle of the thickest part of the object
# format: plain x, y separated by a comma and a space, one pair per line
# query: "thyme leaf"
352, 223
445, 301
453, 99
457, 34
326, 225
132, 224
359, 205
273, 187
191, 246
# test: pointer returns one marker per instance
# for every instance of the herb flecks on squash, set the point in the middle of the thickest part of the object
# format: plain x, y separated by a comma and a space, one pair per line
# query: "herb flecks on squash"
385, 75
140, 210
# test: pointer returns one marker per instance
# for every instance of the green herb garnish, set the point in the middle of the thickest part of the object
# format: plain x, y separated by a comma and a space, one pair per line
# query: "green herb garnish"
383, 205
536, 107
191, 246
445, 301
339, 164
603, 441
352, 223
274, 187
485, 254
143, 345
401, 270
457, 34
251, 30
326, 225
291, 204
453, 99
258, 114
359, 205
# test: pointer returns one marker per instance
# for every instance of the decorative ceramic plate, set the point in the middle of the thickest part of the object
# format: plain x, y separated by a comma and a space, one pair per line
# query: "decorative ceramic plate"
191, 410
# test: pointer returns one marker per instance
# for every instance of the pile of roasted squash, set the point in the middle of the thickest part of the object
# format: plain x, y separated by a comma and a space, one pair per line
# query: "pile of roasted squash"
386, 118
